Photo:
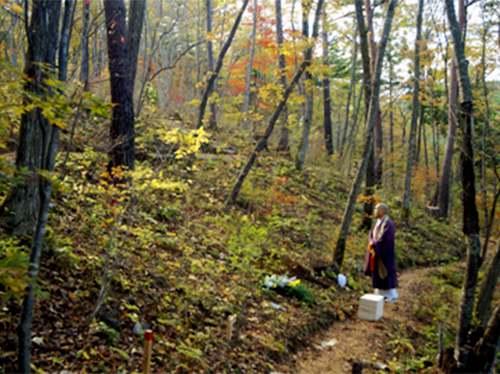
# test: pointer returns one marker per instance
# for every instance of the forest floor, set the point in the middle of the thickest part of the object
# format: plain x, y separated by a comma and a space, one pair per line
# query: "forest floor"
405, 338
183, 266
370, 343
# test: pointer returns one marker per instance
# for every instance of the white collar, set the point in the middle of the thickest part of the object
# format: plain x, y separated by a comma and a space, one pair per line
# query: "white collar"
380, 220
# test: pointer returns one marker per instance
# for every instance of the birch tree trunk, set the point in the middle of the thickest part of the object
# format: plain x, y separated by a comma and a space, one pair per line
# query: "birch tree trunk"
414, 117
338, 256
248, 80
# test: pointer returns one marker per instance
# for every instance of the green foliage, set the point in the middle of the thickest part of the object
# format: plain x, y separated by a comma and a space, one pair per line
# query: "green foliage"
111, 334
14, 261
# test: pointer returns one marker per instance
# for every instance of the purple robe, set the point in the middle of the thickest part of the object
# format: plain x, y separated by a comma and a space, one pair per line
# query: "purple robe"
384, 249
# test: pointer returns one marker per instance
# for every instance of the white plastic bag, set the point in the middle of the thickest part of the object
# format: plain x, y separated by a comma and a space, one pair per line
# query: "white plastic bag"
342, 280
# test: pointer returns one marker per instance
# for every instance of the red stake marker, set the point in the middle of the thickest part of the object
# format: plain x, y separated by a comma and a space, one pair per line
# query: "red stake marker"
146, 359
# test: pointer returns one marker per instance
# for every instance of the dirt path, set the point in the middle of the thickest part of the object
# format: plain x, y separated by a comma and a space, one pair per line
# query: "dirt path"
362, 340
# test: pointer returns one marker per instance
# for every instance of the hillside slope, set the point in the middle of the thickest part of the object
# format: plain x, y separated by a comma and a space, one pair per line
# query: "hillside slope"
177, 263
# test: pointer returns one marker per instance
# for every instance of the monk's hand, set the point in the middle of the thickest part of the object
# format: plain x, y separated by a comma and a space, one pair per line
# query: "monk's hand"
370, 248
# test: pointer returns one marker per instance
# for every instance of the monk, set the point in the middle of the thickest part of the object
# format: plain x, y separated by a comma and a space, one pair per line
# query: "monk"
380, 255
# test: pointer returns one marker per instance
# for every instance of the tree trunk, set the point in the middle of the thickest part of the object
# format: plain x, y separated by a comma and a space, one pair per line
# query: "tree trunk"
369, 198
248, 80
44, 25
486, 350
197, 51
327, 105
366, 222
137, 9
444, 181
426, 157
309, 93
122, 151
351, 87
487, 224
84, 70
391, 106
274, 118
368, 143
420, 129
435, 134
377, 157
354, 132
218, 66
374, 168
212, 124
20, 209
414, 116
283, 143
485, 298
490, 279
470, 214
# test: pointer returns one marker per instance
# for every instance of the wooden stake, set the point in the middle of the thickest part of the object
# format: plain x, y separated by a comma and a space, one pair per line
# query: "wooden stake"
146, 359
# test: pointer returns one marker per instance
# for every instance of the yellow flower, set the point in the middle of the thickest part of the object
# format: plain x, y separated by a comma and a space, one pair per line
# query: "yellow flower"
294, 283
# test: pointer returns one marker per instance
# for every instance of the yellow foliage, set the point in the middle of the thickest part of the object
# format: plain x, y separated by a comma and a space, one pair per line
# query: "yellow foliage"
16, 8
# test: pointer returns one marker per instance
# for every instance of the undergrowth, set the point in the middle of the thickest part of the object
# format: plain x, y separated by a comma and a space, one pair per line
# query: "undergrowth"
177, 263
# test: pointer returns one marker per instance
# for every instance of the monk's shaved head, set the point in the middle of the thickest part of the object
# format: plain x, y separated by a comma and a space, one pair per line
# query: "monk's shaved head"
384, 207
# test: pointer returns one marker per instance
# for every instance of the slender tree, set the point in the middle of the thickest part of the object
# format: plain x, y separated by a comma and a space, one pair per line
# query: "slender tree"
220, 60
338, 255
470, 214
349, 95
327, 111
84, 69
283, 143
248, 80
370, 177
373, 178
43, 30
300, 158
444, 181
212, 124
137, 9
122, 152
414, 115
274, 118
489, 283
367, 76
